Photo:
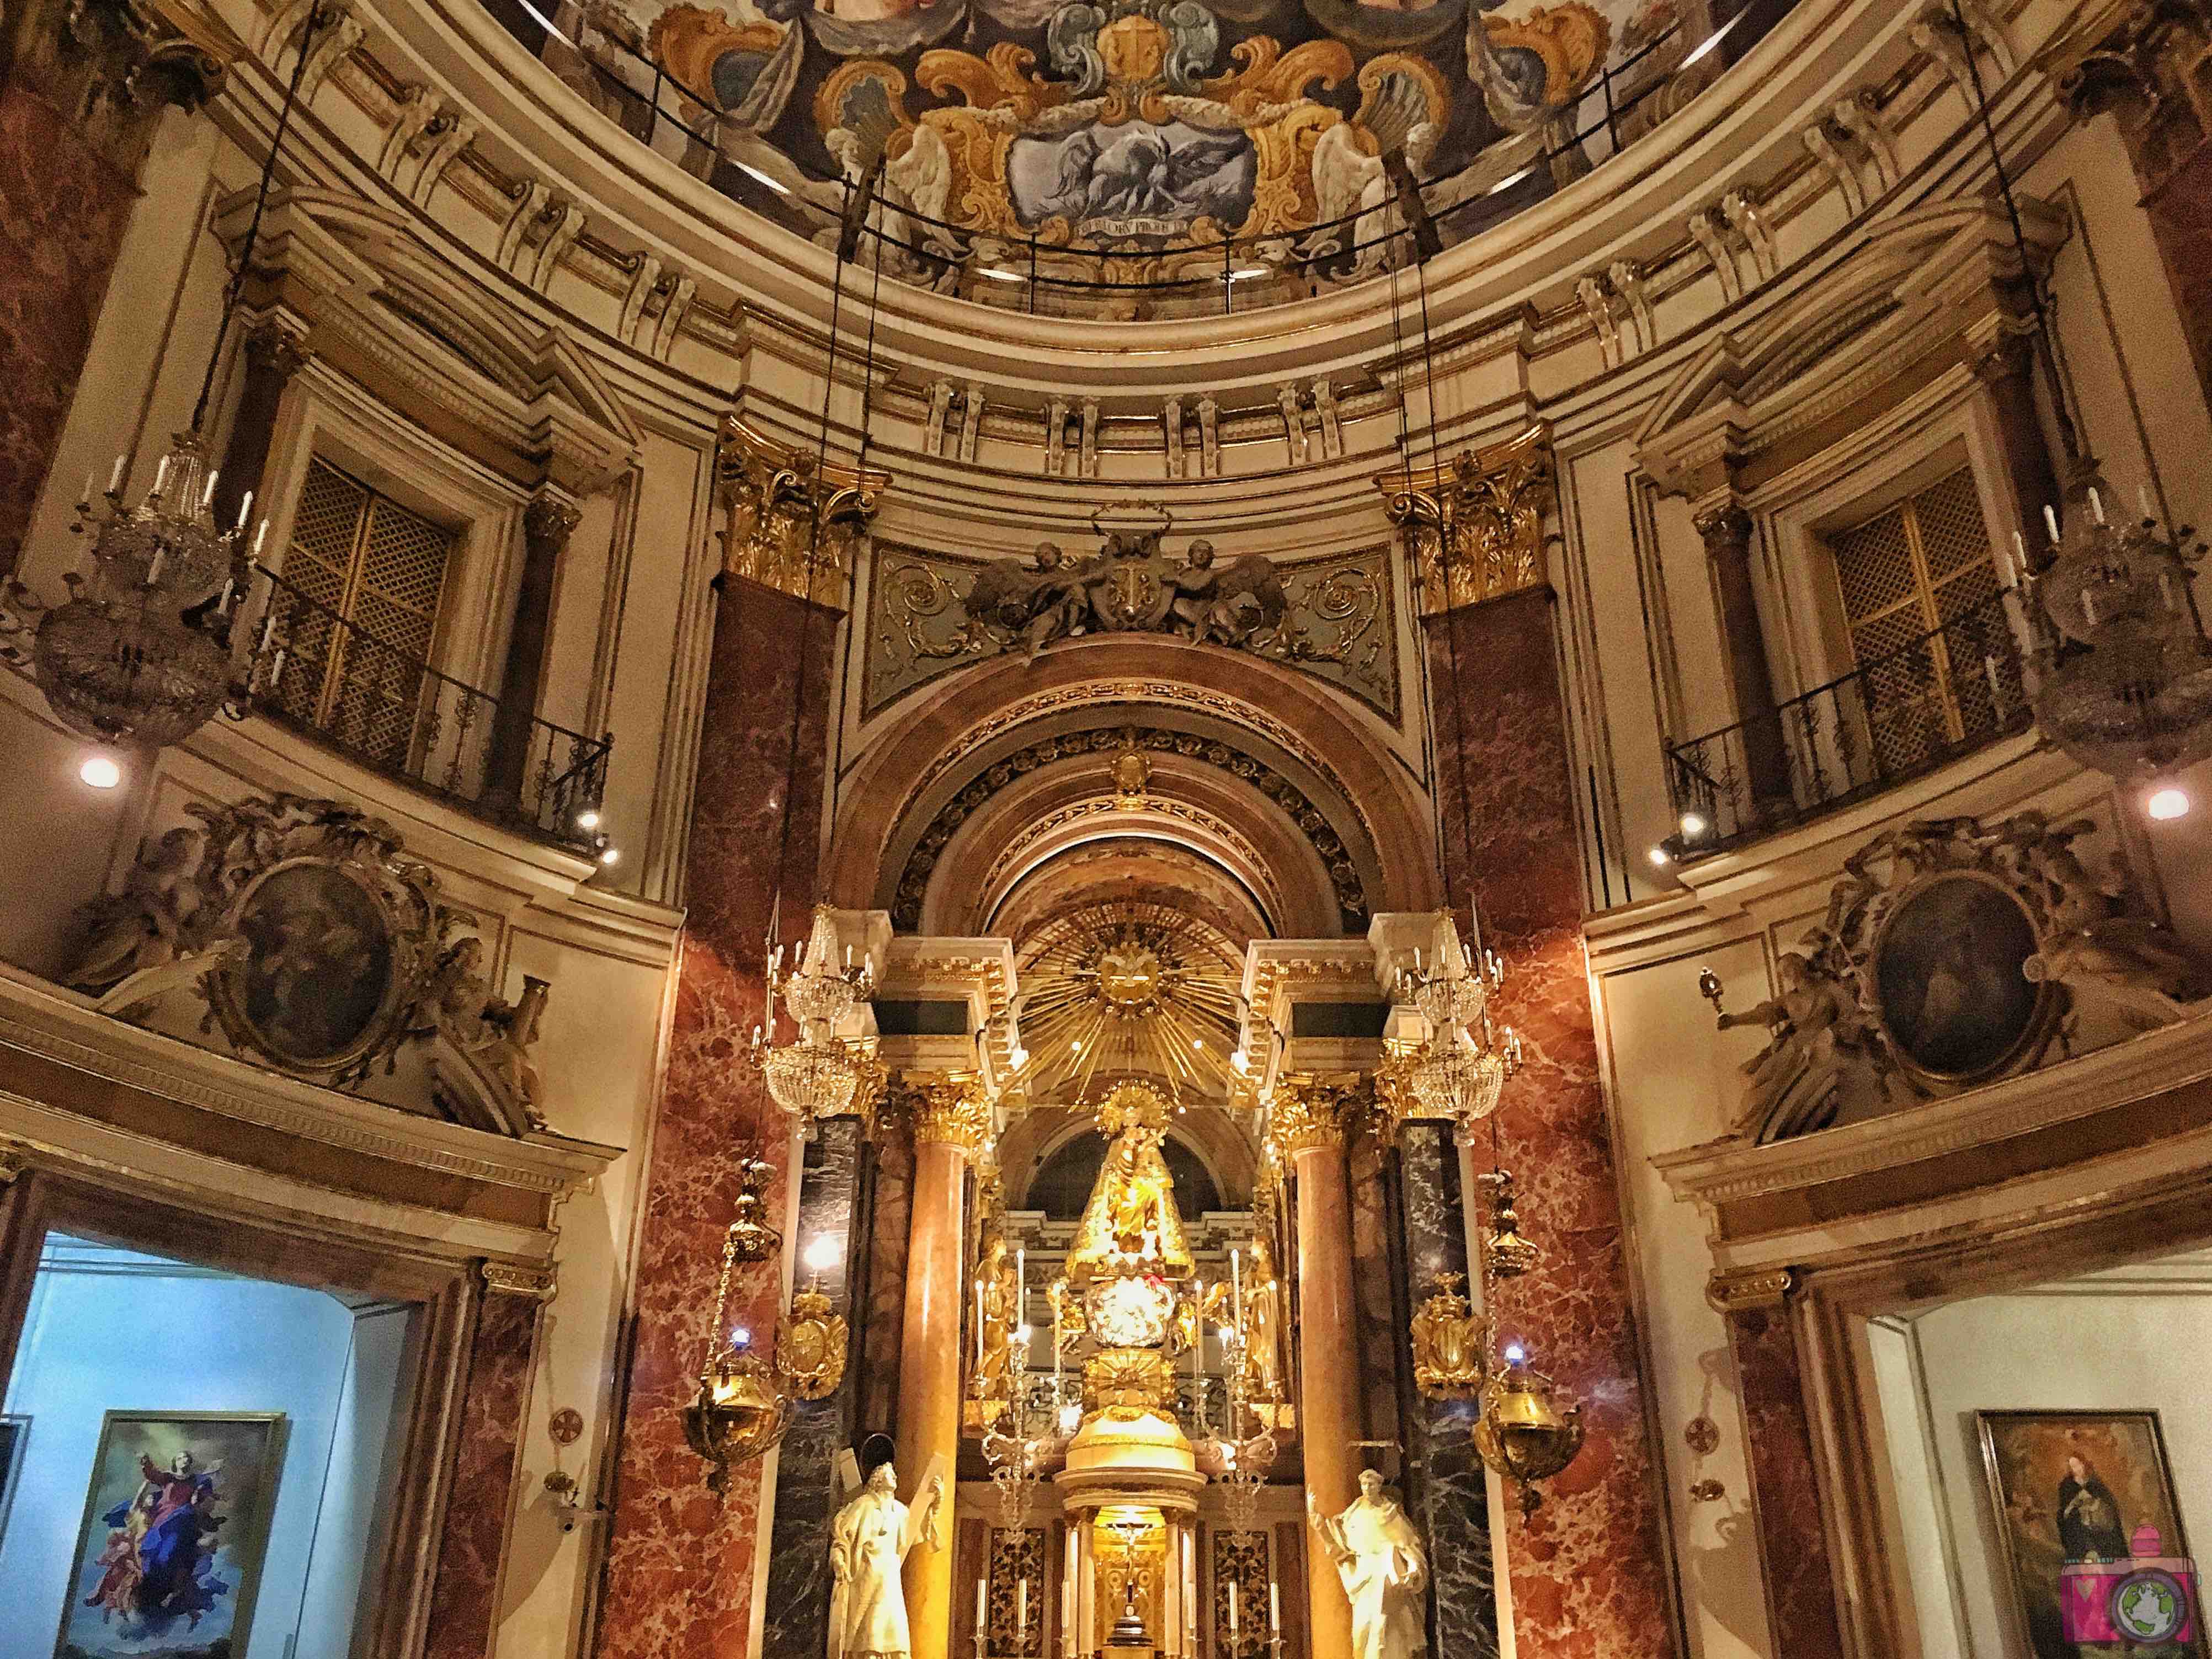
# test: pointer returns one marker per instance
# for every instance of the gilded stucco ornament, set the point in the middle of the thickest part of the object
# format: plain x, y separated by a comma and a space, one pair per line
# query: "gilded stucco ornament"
320, 948
1449, 1339
770, 495
1306, 1113
811, 1349
1479, 517
953, 1109
1954, 952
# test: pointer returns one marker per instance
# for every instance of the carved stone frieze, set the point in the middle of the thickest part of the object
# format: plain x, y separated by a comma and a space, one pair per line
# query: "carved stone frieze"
931, 613
321, 948
784, 526
1477, 523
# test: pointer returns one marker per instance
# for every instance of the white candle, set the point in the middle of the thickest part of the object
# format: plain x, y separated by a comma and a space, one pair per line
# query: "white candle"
115, 479
85, 500
1236, 1287
1232, 1612
2051, 522
983, 1613
1274, 1607
979, 1324
1022, 1616
2097, 504
1021, 1287
244, 509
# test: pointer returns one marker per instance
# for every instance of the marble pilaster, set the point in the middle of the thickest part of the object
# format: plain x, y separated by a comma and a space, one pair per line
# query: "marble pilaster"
681, 1561
1589, 1570
464, 1590
1800, 1594
796, 1620
1450, 1491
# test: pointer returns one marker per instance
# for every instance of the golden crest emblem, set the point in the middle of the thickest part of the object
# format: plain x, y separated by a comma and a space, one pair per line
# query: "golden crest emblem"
1133, 49
809, 1353
1448, 1340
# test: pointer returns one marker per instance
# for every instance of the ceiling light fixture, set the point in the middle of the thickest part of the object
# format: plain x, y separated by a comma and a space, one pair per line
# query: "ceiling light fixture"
100, 772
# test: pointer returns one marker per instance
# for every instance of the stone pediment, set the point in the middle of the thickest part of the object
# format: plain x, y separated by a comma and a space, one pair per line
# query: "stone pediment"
468, 361
1921, 279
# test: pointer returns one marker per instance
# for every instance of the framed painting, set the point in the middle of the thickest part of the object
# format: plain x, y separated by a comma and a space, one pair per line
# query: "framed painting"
169, 1553
2092, 1538
15, 1435
1948, 976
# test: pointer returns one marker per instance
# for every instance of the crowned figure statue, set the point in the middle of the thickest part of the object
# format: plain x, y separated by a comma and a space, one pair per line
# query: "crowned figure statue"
1131, 1227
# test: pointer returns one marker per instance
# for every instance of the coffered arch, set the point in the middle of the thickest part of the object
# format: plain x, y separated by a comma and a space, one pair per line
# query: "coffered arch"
1251, 749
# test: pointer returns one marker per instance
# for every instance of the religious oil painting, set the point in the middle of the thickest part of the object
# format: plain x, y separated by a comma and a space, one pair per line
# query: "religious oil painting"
318, 964
169, 1554
15, 1435
2093, 1538
1949, 971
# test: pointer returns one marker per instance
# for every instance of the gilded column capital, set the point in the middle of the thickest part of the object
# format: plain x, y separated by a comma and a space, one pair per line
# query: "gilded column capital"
1743, 1292
1311, 1114
773, 496
535, 1280
950, 1110
1476, 522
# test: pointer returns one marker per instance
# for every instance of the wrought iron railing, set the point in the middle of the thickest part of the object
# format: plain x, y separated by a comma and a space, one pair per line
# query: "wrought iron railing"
1893, 718
1612, 111
385, 706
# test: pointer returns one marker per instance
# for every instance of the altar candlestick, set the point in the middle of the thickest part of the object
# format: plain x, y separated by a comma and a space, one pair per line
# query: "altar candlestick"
1232, 1615
1236, 1285
1022, 1616
1274, 1607
982, 1612
1021, 1287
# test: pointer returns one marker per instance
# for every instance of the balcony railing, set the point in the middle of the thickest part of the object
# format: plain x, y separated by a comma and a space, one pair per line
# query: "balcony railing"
1893, 718
388, 709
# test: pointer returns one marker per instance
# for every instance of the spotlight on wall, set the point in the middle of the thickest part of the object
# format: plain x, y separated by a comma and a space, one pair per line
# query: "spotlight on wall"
1661, 858
2166, 803
1693, 825
100, 772
822, 1254
610, 856
588, 819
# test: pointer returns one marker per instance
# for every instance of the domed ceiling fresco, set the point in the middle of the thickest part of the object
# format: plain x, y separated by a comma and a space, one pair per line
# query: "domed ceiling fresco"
1120, 143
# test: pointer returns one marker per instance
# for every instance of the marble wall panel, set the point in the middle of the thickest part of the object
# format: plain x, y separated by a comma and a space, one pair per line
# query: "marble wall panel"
882, 1313
1382, 1335
681, 1559
63, 210
1447, 1488
797, 1621
1589, 1568
480, 1505
1801, 1594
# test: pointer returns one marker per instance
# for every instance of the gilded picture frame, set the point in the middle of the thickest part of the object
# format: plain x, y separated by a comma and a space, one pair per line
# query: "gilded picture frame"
1948, 974
175, 1535
2069, 1489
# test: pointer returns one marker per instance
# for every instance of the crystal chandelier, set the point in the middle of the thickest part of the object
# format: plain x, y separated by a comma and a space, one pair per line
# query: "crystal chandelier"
821, 1074
1459, 1070
140, 654
2125, 687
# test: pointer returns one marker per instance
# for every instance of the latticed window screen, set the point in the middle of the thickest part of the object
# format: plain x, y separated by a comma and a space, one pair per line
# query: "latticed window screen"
1918, 589
371, 572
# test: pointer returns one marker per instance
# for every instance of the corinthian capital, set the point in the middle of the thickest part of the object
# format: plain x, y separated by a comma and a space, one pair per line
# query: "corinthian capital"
1307, 1113
948, 1109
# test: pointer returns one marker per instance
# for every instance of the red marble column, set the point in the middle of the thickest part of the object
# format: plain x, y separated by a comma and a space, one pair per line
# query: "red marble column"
1800, 1592
2181, 210
82, 89
681, 1561
464, 1592
1589, 1570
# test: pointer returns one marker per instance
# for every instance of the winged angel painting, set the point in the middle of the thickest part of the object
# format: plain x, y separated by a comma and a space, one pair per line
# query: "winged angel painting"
1142, 132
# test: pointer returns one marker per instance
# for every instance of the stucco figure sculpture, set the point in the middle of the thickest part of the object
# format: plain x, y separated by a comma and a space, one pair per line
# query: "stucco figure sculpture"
1384, 1570
869, 1542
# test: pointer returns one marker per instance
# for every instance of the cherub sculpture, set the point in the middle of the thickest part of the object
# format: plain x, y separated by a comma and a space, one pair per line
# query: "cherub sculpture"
1824, 1064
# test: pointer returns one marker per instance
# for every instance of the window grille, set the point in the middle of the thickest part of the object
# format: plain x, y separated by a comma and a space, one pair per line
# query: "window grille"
375, 571
1914, 578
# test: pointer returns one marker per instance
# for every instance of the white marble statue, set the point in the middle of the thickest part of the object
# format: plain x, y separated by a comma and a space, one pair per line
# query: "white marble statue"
1378, 1555
868, 1545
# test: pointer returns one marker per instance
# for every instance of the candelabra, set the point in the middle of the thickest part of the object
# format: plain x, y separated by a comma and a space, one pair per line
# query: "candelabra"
1459, 1070
1009, 1448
